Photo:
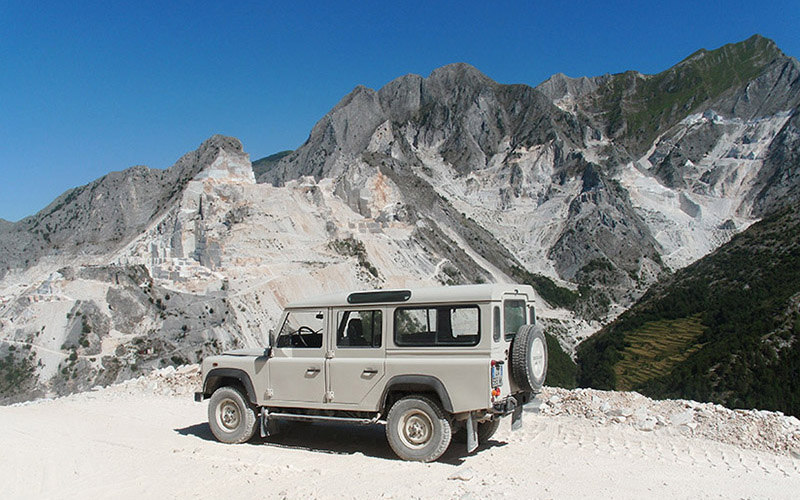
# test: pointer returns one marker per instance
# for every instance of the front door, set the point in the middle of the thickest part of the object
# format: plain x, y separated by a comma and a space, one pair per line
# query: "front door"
358, 351
296, 368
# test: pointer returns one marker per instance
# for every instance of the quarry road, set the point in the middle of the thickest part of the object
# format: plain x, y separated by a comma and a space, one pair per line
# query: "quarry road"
149, 440
41, 348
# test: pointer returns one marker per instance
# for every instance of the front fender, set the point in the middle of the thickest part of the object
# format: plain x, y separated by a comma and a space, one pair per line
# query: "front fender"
218, 377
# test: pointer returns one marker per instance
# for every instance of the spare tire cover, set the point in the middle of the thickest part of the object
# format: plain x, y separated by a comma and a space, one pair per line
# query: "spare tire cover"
529, 358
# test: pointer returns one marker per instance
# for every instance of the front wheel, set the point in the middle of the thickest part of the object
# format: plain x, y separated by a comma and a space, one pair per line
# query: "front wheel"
417, 429
231, 418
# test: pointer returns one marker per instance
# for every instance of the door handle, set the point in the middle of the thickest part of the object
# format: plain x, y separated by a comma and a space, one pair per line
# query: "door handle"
370, 371
313, 370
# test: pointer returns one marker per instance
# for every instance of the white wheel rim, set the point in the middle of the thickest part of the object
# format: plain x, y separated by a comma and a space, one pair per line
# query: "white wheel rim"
228, 416
415, 429
537, 358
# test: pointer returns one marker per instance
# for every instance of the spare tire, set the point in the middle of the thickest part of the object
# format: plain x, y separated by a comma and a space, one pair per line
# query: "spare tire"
529, 358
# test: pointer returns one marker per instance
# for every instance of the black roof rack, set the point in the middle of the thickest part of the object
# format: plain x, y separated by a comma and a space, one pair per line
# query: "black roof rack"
379, 296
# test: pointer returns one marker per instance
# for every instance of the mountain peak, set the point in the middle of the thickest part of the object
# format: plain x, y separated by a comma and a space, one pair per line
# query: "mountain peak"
218, 141
459, 73
636, 108
560, 85
756, 51
359, 95
194, 162
227, 160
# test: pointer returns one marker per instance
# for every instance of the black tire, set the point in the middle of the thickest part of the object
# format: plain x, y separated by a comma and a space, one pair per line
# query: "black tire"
417, 429
529, 358
485, 431
231, 417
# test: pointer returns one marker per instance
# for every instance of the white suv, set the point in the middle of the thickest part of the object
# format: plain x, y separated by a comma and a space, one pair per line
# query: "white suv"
429, 363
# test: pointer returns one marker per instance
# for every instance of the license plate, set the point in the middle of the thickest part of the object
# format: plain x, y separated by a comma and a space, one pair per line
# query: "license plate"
497, 376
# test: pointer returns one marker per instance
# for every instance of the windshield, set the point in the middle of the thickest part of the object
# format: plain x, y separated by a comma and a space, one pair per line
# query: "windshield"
302, 329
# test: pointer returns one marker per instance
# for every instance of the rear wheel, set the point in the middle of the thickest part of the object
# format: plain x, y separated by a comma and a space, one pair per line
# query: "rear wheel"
485, 431
417, 429
529, 358
231, 417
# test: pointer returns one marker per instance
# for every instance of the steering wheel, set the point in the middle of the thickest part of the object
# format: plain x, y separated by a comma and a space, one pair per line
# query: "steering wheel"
299, 332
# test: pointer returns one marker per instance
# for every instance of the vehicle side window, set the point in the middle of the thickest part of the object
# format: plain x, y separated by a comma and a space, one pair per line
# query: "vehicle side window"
302, 329
496, 325
437, 326
513, 316
359, 329
464, 322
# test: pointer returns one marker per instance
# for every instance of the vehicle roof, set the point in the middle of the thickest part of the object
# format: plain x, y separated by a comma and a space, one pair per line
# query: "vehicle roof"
437, 295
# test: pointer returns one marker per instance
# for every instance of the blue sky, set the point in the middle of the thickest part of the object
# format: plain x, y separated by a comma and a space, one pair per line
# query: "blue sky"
87, 88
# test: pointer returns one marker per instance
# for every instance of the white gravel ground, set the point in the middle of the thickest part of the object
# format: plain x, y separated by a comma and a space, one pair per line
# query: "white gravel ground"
146, 438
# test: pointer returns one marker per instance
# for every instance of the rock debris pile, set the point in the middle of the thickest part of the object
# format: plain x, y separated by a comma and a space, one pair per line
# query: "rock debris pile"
749, 429
169, 381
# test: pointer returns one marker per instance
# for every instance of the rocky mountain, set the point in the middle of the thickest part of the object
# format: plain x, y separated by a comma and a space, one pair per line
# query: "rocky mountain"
613, 179
724, 329
749, 80
260, 167
95, 219
208, 271
590, 189
503, 157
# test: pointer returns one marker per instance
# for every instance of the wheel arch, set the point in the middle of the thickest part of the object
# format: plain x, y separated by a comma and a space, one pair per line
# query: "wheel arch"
402, 385
220, 377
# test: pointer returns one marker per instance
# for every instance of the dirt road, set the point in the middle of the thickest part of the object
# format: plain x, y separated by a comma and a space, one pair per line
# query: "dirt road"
134, 442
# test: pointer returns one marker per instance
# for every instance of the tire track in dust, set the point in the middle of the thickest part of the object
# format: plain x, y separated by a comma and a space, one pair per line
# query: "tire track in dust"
650, 446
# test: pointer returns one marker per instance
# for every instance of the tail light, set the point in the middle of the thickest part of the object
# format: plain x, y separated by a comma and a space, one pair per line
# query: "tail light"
497, 378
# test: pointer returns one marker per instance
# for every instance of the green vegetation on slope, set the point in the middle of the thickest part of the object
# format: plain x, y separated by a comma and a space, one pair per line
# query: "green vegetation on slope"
351, 247
561, 370
555, 295
652, 350
641, 107
743, 351
16, 372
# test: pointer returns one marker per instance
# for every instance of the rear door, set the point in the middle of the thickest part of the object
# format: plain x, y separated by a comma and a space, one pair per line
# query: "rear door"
356, 363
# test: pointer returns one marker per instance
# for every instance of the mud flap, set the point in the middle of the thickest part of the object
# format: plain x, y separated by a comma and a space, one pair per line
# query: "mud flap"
472, 434
516, 418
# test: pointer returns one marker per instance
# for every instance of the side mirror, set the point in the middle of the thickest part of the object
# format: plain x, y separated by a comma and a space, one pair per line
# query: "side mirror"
271, 338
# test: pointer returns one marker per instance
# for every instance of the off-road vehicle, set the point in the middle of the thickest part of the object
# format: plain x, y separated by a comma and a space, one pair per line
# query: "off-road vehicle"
429, 363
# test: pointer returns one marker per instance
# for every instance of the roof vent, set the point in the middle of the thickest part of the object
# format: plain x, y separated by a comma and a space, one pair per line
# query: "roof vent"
379, 296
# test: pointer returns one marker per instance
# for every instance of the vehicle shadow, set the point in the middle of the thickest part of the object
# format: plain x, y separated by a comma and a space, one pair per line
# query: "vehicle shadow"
202, 431
340, 439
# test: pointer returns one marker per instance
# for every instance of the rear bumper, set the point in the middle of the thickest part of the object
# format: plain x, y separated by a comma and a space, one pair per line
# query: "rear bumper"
507, 405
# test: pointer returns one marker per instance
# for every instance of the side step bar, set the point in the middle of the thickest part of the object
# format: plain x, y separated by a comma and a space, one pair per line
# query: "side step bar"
268, 421
323, 418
